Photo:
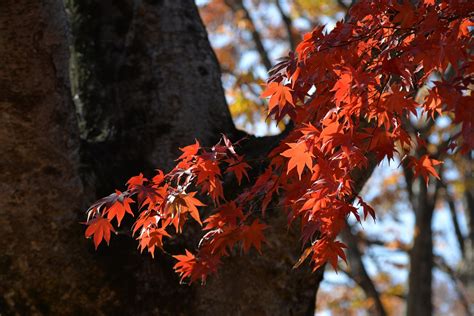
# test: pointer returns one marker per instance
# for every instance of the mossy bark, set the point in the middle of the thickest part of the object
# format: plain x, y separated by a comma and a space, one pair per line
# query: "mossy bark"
46, 266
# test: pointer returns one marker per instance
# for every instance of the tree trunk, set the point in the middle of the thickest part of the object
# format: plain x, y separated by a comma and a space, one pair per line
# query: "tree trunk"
467, 266
147, 82
421, 255
359, 273
45, 267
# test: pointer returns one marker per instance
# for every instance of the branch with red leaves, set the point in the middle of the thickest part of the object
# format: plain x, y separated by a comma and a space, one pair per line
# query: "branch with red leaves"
349, 94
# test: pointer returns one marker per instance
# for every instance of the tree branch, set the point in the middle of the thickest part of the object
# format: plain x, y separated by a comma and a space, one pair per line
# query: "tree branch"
469, 195
358, 272
408, 175
238, 5
443, 266
342, 4
287, 21
454, 218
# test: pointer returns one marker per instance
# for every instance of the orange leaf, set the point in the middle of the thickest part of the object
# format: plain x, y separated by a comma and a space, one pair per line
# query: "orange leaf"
189, 151
119, 208
238, 167
425, 167
328, 250
152, 239
136, 180
191, 203
300, 156
100, 228
253, 236
279, 94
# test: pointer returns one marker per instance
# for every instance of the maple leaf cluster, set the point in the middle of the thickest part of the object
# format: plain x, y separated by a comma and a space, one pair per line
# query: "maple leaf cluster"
349, 94
167, 201
351, 91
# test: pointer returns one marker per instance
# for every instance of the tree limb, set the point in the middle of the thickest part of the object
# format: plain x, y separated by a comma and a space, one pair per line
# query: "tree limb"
238, 5
287, 21
454, 218
358, 272
443, 266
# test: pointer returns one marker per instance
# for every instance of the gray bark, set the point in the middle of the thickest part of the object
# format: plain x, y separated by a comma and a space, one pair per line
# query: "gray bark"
45, 267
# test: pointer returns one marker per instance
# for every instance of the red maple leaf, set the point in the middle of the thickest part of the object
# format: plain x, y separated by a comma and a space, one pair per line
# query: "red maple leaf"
405, 15
100, 228
228, 214
424, 167
300, 157
119, 208
238, 167
192, 203
189, 151
136, 180
280, 95
152, 239
178, 206
367, 209
253, 236
343, 87
185, 264
195, 268
327, 250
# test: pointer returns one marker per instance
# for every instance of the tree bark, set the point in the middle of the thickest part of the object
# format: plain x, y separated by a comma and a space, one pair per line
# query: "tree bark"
147, 82
419, 300
359, 273
45, 267
467, 266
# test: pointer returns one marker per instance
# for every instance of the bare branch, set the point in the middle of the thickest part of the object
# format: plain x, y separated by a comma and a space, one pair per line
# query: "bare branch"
342, 4
238, 5
359, 273
408, 175
287, 21
454, 218
443, 266
469, 195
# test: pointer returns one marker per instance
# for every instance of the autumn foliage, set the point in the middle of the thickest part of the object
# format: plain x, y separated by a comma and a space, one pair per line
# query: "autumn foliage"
349, 94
